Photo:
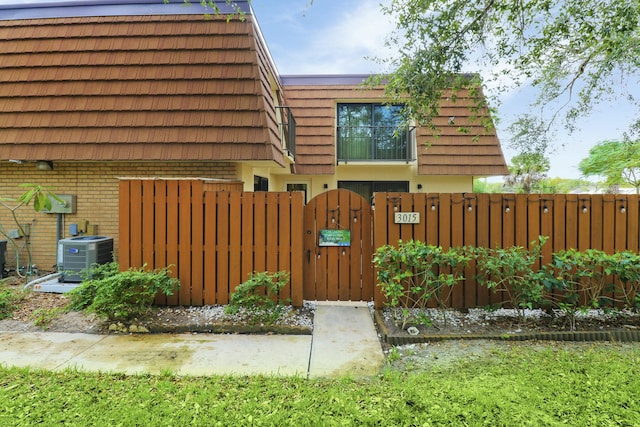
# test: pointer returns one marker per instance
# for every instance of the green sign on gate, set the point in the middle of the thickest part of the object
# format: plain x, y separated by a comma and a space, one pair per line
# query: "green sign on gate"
335, 238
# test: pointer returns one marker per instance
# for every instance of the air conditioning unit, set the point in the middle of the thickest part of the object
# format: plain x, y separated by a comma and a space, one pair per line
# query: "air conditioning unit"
76, 255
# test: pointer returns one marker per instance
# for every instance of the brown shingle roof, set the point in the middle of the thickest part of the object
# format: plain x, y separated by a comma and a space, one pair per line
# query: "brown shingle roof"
475, 152
136, 87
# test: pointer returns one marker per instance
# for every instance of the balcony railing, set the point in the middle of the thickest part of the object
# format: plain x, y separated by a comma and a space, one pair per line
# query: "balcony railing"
287, 131
374, 143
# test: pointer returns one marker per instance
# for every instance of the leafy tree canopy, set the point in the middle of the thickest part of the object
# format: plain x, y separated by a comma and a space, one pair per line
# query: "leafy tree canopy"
526, 170
617, 162
574, 52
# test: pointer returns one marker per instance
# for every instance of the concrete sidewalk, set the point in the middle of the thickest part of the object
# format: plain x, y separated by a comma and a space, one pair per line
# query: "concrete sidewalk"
344, 342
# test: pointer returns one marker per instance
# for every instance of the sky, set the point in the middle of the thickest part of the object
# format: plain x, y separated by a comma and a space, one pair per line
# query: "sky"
337, 36
342, 37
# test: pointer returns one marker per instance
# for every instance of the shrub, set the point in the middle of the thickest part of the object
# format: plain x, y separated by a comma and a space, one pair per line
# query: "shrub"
415, 273
258, 296
511, 271
576, 281
626, 267
122, 295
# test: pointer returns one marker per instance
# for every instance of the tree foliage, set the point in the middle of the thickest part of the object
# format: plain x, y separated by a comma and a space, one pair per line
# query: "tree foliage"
527, 170
42, 198
618, 162
574, 52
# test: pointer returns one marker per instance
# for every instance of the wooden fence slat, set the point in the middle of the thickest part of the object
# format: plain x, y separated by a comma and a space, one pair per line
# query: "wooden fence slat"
272, 232
431, 219
470, 212
184, 241
495, 220
247, 247
621, 215
210, 236
559, 222
444, 217
297, 247
172, 236
332, 271
235, 241
124, 223
571, 223
585, 211
136, 224
309, 239
160, 231
596, 221
284, 238
197, 244
457, 240
508, 221
343, 254
483, 228
148, 225
533, 221
380, 238
608, 222
546, 226
323, 219
418, 204
633, 219
521, 222
222, 245
260, 231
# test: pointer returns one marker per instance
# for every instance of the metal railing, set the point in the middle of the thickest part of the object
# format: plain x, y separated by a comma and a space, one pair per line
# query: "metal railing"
375, 143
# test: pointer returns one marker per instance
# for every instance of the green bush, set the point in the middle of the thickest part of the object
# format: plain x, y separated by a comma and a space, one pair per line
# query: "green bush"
415, 273
512, 271
574, 281
259, 296
121, 295
626, 267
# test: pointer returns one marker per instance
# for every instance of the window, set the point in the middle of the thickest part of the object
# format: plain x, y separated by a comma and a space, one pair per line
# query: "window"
260, 183
367, 188
372, 132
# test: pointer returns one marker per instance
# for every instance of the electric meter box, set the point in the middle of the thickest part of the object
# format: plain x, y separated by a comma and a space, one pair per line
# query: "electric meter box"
67, 206
76, 255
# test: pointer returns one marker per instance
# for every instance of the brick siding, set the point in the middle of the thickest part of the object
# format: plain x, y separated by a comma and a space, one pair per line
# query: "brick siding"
95, 185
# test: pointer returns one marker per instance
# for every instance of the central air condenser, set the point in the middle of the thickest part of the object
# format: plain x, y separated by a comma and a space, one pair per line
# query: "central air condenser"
76, 255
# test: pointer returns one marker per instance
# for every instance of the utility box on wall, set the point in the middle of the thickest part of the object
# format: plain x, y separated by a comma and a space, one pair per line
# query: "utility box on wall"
76, 255
67, 206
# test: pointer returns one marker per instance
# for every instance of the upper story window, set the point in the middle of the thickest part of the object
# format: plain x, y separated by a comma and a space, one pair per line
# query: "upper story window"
372, 132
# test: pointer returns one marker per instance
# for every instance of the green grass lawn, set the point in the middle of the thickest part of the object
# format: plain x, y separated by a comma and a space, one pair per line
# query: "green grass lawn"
520, 386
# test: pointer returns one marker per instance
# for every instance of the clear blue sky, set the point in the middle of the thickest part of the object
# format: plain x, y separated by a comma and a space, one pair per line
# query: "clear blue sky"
338, 36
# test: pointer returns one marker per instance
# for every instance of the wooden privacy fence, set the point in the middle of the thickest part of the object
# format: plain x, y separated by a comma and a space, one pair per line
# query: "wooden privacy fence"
211, 239
585, 221
214, 237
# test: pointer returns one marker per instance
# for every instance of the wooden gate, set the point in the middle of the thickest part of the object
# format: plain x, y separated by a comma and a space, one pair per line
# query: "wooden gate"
338, 248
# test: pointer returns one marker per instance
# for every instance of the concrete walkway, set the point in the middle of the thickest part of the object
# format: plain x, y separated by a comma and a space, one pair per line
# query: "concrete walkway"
344, 342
